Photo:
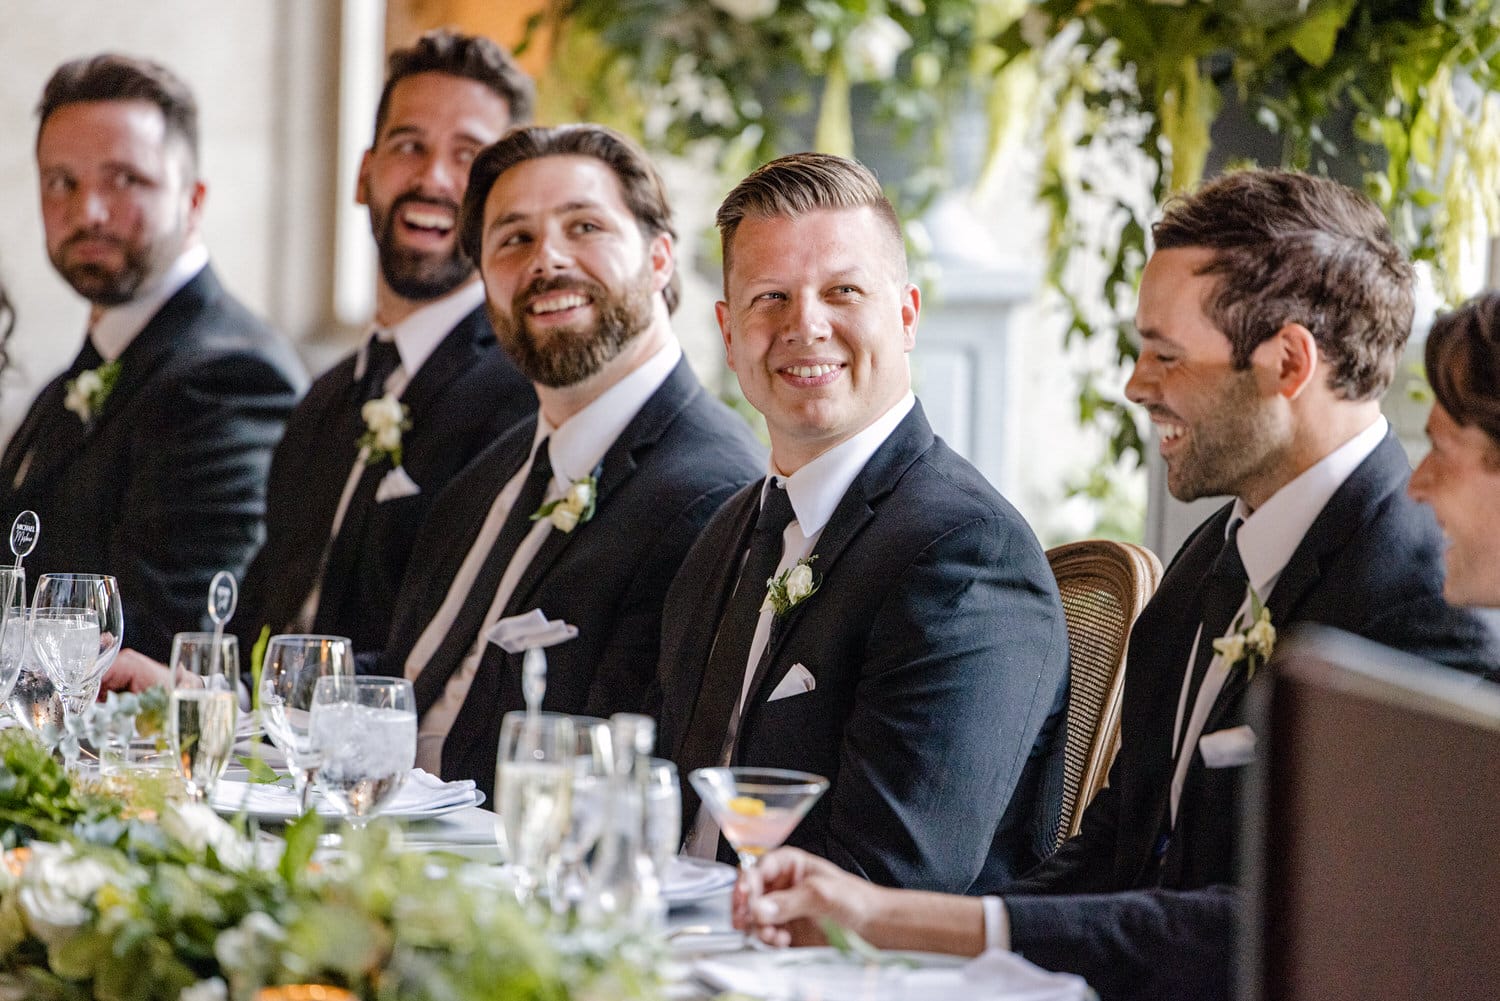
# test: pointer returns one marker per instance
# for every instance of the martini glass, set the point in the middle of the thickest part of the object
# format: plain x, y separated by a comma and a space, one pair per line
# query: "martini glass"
756, 808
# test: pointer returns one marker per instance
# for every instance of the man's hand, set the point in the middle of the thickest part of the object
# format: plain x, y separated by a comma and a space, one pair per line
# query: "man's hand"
787, 893
133, 671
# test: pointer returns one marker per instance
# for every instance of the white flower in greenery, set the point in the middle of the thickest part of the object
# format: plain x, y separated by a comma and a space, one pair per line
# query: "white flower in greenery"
746, 10
212, 989
199, 828
1231, 648
795, 585
872, 48
85, 394
248, 952
385, 419
573, 508
57, 890
1252, 644
799, 582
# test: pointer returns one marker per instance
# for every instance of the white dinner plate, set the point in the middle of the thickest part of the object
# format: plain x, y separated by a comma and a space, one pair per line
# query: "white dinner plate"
821, 974
278, 803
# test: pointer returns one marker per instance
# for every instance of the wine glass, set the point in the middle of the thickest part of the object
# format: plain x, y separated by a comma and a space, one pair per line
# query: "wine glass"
365, 729
288, 677
200, 732
756, 808
663, 813
12, 628
590, 782
533, 786
194, 666
77, 623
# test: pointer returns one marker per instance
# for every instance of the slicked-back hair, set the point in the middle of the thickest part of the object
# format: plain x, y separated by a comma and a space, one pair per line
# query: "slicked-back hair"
1463, 365
795, 185
640, 184
472, 57
1294, 248
110, 76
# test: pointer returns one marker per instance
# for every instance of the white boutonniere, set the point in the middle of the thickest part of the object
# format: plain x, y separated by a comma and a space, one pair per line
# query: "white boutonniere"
385, 419
573, 508
1253, 643
793, 586
87, 393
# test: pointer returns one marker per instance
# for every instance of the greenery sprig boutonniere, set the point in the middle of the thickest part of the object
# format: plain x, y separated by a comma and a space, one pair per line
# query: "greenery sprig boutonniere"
573, 508
791, 587
86, 394
1253, 643
385, 419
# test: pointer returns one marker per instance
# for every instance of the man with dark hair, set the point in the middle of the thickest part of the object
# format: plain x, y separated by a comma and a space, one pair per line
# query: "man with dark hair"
581, 514
1271, 317
1460, 477
872, 610
147, 458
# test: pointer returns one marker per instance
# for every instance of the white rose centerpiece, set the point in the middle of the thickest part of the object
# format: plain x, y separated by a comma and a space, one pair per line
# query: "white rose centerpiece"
386, 418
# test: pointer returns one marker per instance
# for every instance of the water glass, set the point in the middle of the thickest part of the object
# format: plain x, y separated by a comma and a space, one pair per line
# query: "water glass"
289, 675
77, 624
12, 628
533, 789
663, 813
194, 666
365, 729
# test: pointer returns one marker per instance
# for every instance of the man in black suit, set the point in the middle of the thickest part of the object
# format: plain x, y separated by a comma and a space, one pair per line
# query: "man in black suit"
584, 512
873, 611
1272, 316
147, 458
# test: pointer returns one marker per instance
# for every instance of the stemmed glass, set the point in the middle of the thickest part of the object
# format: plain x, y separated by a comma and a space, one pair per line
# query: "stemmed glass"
12, 628
288, 678
591, 768
194, 666
533, 786
756, 808
77, 623
200, 731
365, 729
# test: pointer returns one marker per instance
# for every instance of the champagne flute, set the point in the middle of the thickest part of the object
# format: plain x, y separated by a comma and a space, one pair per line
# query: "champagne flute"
591, 766
365, 729
200, 731
288, 678
194, 665
77, 624
533, 786
12, 628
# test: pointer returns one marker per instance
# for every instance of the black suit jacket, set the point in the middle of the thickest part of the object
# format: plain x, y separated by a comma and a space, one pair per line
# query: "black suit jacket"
167, 484
666, 474
1371, 564
466, 394
940, 653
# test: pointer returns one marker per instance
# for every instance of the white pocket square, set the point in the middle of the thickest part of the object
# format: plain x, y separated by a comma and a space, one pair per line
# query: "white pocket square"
528, 630
798, 680
396, 484
1228, 748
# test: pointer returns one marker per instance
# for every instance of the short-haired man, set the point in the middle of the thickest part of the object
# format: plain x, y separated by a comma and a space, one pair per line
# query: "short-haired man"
1272, 316
911, 646
147, 458
1460, 477
583, 512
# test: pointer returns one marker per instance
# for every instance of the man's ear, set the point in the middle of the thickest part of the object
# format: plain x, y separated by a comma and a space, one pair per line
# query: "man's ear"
721, 313
1291, 358
362, 182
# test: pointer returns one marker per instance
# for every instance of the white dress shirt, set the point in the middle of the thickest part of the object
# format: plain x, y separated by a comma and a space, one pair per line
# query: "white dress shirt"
416, 337
815, 491
118, 325
575, 450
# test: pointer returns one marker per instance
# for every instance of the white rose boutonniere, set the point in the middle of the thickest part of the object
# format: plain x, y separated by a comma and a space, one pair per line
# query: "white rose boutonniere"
86, 394
573, 508
793, 586
1253, 643
385, 419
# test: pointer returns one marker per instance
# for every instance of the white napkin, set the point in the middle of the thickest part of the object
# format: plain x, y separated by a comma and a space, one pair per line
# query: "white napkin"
689, 878
807, 974
396, 484
529, 630
422, 792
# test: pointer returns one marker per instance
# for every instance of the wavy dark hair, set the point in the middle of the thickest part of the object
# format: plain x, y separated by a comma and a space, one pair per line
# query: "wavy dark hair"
1294, 248
472, 57
1463, 365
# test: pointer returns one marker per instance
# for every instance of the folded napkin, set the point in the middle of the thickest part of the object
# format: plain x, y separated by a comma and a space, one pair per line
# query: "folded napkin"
821, 974
529, 630
690, 878
421, 793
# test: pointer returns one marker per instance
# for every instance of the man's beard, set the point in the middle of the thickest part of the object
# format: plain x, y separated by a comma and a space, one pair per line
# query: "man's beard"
102, 285
566, 356
1241, 440
415, 274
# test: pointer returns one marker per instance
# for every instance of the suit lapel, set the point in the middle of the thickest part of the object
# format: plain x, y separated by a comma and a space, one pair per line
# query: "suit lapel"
617, 466
908, 442
162, 334
450, 359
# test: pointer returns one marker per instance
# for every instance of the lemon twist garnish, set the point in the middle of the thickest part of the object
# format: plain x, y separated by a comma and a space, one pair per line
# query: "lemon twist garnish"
748, 806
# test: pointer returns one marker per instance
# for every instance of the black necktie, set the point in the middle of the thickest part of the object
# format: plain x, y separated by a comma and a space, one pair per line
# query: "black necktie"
1223, 594
381, 359
724, 676
455, 645
88, 357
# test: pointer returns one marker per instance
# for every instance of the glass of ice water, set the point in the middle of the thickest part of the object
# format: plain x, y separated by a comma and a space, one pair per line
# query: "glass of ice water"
77, 623
365, 729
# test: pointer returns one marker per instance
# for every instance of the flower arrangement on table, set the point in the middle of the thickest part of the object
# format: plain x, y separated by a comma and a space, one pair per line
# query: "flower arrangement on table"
106, 895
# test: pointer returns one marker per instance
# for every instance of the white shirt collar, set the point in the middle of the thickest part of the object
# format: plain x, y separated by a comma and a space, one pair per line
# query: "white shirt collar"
118, 325
1272, 532
579, 445
816, 489
419, 334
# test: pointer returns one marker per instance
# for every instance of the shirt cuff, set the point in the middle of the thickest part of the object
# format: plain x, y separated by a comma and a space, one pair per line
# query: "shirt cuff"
996, 924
